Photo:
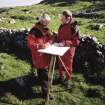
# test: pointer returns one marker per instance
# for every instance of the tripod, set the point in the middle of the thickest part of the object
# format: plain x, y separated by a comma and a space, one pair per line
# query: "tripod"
51, 74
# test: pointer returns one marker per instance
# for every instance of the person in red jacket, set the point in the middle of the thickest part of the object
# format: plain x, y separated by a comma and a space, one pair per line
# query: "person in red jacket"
40, 37
68, 35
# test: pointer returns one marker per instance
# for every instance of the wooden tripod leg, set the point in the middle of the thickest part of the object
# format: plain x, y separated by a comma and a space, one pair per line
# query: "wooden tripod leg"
52, 74
64, 65
49, 80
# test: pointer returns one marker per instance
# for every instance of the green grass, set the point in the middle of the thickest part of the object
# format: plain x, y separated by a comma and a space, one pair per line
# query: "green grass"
10, 67
75, 96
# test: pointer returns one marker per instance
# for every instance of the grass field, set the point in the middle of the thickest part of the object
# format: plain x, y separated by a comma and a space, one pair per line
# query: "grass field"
10, 67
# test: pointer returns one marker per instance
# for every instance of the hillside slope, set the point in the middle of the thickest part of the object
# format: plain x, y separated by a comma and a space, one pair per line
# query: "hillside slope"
13, 71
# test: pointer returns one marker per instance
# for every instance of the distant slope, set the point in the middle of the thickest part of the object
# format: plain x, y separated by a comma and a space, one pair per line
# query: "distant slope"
55, 1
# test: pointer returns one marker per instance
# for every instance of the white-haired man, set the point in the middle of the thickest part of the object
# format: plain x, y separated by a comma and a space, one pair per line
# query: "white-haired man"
40, 37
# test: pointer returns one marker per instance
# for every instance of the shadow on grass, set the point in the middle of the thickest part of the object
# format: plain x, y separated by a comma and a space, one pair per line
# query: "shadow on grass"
21, 87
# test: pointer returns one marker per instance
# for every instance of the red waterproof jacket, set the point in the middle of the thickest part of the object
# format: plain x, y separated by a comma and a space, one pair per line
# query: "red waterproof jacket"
68, 38
40, 60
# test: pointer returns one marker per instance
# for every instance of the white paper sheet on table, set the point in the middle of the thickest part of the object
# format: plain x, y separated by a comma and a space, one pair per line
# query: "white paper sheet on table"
55, 49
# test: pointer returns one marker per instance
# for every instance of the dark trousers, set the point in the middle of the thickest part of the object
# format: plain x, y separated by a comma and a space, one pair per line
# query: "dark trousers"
43, 80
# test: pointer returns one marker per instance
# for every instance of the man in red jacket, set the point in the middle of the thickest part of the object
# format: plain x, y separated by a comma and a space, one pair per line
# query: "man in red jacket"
68, 35
40, 37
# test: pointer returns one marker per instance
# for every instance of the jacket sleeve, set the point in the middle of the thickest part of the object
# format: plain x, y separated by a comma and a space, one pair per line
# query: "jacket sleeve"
33, 43
50, 39
72, 43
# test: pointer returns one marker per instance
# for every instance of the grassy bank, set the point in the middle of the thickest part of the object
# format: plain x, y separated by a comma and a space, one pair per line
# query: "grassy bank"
82, 92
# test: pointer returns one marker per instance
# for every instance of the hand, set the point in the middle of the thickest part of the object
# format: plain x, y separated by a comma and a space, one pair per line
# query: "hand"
46, 45
61, 45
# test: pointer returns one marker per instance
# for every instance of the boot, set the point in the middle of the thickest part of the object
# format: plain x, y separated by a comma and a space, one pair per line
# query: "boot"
66, 84
51, 97
61, 80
